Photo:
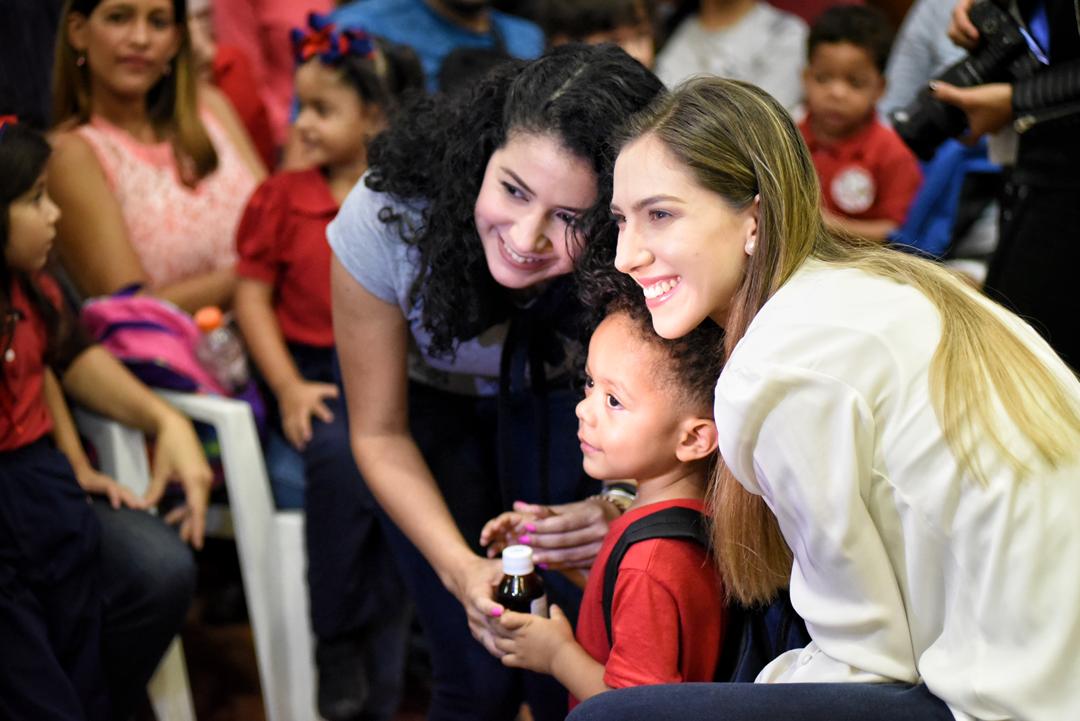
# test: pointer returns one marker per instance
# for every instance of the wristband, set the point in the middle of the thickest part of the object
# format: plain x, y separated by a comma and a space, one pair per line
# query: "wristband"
620, 495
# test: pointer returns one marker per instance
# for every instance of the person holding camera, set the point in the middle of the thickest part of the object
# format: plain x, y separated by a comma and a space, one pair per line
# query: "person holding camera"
1032, 269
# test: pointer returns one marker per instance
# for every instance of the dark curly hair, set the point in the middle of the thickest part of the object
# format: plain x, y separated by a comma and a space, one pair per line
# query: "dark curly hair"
862, 26
436, 150
694, 360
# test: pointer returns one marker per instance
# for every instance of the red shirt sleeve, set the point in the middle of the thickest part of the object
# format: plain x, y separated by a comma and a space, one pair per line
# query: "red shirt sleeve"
261, 232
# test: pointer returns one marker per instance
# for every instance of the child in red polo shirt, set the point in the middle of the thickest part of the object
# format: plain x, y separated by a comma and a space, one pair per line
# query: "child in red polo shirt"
868, 176
346, 83
646, 416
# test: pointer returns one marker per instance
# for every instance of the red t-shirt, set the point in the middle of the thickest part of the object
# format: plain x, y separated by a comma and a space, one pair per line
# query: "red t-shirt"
870, 175
24, 416
668, 612
235, 78
281, 240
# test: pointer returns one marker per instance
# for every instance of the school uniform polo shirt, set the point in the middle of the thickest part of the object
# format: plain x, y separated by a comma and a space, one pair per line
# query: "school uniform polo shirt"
870, 175
24, 416
281, 241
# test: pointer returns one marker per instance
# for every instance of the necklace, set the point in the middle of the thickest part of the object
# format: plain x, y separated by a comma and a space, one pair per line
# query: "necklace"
10, 319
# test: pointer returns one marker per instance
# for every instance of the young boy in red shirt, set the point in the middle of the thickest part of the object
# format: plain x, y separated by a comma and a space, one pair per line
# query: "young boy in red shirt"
868, 176
646, 416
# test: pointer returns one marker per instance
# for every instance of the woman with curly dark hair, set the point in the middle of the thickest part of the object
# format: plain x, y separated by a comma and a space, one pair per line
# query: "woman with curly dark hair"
453, 316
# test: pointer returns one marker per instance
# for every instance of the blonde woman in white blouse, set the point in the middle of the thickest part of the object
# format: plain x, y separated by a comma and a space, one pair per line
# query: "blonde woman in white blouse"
913, 444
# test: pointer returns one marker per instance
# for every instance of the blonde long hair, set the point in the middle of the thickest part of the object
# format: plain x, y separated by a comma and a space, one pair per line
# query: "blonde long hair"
741, 144
172, 102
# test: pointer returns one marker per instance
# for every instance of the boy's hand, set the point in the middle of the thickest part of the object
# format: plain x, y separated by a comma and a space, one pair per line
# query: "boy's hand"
96, 483
298, 402
533, 642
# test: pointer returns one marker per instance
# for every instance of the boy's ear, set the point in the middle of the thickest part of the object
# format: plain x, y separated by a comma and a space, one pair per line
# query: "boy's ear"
697, 441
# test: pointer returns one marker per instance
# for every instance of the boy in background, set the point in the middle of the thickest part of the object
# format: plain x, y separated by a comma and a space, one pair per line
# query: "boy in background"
627, 23
868, 176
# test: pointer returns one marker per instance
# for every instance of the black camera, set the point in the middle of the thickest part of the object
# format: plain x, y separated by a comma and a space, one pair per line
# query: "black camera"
1001, 56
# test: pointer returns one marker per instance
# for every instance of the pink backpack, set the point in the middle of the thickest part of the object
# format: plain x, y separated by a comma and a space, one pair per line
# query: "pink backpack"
153, 338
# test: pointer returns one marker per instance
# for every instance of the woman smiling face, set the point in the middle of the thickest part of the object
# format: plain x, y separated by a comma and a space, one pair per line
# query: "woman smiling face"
526, 212
685, 246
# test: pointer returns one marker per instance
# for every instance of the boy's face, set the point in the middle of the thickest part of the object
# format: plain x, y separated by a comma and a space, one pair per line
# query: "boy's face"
630, 422
842, 87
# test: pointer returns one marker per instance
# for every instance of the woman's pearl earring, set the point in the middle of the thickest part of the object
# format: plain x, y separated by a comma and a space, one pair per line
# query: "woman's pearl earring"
80, 60
750, 245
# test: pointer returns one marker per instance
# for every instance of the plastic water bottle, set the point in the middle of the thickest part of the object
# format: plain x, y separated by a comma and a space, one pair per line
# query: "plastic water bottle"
220, 350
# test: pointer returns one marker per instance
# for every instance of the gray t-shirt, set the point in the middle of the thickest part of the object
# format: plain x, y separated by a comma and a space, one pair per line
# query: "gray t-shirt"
378, 259
766, 47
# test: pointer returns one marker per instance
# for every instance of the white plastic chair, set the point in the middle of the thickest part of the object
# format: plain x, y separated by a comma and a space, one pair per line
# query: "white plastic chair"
122, 455
270, 545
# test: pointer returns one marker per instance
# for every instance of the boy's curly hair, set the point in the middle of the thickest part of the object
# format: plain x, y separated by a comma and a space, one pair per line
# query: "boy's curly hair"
694, 361
436, 150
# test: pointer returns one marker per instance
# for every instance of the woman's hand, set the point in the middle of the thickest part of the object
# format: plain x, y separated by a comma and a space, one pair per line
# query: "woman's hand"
474, 586
567, 535
961, 30
533, 642
299, 401
988, 107
98, 484
178, 455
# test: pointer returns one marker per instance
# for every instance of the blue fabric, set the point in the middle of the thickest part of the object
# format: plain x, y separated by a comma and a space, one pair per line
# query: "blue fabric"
413, 23
928, 227
1037, 33
765, 702
285, 468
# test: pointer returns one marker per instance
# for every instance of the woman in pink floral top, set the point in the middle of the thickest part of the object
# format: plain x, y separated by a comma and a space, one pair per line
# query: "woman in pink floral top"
152, 171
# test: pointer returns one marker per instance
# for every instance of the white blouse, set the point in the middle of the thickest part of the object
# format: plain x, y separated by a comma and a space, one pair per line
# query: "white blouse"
906, 567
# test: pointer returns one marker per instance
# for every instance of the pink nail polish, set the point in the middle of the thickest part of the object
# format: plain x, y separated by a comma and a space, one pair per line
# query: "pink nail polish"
530, 527
524, 539
496, 612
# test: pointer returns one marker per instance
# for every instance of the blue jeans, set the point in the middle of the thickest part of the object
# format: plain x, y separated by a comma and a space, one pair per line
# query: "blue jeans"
147, 577
353, 585
458, 436
765, 702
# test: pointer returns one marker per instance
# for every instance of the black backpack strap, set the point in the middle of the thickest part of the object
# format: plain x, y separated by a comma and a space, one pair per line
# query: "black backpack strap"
674, 522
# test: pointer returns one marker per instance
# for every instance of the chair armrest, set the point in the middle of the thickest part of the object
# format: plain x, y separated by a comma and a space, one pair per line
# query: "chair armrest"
121, 450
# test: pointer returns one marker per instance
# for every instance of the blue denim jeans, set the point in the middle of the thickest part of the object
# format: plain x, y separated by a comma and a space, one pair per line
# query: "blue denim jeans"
765, 702
147, 582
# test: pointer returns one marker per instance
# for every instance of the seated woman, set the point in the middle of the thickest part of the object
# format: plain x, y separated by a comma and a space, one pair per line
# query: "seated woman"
151, 170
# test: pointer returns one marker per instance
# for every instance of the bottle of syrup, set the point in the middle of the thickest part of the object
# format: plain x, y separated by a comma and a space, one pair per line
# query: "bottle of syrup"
521, 588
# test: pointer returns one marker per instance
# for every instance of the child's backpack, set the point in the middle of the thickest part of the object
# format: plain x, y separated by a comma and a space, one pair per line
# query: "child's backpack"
753, 637
153, 338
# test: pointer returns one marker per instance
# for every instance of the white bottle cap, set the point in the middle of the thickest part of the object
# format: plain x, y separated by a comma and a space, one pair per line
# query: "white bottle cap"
517, 560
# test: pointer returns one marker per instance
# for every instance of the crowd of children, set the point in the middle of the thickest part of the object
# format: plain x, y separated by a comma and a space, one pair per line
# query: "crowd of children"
407, 284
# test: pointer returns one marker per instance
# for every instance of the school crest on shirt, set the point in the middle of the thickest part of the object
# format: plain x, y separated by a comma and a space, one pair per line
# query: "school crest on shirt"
853, 190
